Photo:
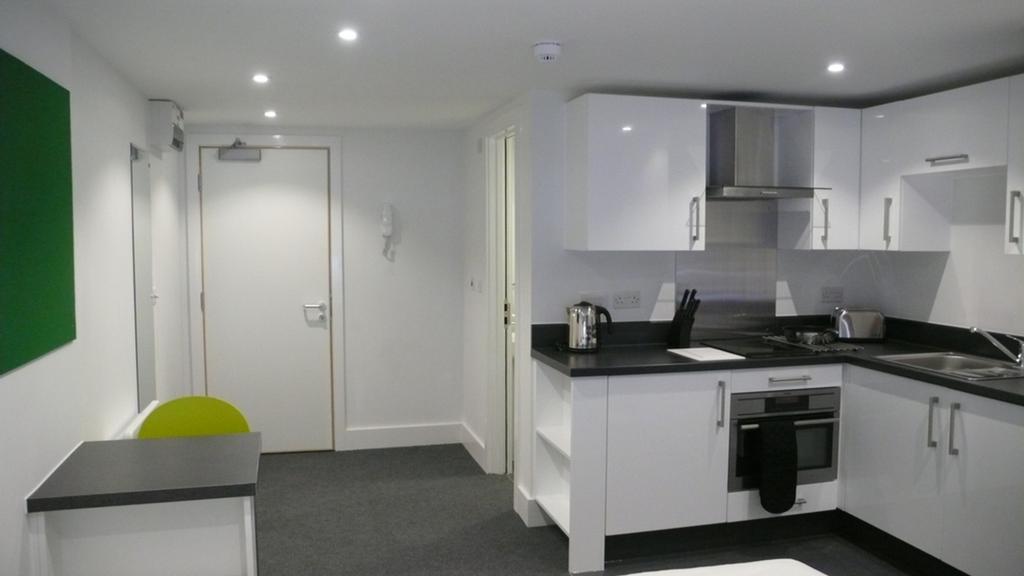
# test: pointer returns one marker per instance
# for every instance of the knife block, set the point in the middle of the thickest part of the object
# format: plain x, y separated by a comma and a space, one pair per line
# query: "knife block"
679, 333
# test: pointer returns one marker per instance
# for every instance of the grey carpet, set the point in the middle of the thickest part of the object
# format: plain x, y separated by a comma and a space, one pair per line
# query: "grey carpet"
429, 510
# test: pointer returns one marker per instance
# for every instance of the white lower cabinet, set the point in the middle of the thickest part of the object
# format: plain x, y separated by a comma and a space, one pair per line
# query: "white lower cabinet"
939, 469
889, 468
668, 451
983, 486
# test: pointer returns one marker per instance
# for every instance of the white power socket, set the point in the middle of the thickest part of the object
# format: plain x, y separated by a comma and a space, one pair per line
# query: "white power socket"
832, 294
626, 299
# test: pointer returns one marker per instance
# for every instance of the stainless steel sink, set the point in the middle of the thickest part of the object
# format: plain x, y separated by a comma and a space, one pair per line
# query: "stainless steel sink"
963, 366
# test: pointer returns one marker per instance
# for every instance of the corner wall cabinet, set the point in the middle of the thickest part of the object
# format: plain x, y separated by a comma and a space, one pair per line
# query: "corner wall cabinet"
937, 468
1015, 170
635, 173
907, 144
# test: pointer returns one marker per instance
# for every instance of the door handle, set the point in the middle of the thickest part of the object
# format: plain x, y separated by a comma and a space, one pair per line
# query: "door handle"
695, 208
824, 236
721, 404
953, 451
886, 236
939, 159
1015, 197
932, 403
320, 307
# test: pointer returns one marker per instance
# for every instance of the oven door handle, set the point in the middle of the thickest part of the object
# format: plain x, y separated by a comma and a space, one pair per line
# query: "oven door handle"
796, 423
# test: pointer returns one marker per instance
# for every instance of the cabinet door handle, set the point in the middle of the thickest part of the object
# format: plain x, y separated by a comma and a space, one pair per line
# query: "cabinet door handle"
1015, 197
773, 380
953, 451
936, 159
695, 223
886, 236
721, 404
932, 403
824, 236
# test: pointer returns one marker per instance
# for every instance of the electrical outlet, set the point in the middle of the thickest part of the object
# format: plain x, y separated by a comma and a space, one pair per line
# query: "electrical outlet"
832, 294
627, 299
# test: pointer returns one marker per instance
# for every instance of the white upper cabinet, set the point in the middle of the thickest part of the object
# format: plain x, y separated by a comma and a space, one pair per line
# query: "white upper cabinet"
831, 220
956, 129
636, 173
1015, 170
906, 146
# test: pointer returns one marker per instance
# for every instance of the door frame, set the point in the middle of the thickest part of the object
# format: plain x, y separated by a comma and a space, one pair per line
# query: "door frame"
197, 344
498, 427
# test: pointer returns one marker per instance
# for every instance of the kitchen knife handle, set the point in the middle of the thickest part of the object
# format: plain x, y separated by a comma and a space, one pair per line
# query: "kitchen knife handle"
721, 404
1015, 196
932, 403
953, 451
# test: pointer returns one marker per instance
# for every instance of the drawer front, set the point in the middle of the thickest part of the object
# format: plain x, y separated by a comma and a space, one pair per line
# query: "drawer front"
788, 378
809, 498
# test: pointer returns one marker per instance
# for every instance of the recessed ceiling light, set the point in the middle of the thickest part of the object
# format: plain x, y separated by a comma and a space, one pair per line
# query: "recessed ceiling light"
627, 128
277, 136
836, 67
270, 114
260, 78
704, 105
348, 34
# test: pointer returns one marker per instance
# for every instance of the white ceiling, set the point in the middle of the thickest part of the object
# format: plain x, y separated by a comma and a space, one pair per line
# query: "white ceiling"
447, 62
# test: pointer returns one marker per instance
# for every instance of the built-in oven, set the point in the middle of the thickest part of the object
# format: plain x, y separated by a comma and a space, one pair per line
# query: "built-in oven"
815, 416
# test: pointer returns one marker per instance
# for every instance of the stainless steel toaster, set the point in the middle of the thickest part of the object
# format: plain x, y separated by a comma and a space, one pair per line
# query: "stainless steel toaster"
859, 325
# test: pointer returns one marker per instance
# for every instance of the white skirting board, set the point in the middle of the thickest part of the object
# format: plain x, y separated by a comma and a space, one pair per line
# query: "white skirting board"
398, 436
819, 498
528, 509
475, 446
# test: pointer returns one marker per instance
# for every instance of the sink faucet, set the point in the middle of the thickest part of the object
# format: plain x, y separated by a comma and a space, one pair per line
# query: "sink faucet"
1018, 358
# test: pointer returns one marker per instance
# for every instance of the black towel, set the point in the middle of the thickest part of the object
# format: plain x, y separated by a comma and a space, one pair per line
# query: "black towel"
778, 465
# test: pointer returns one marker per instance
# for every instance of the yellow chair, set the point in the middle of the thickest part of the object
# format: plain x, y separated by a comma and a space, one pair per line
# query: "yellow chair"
193, 416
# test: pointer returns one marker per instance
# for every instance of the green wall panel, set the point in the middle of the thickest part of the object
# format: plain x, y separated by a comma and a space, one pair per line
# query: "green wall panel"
37, 276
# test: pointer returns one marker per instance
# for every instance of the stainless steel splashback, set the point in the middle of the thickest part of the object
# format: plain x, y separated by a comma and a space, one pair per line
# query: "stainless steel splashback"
735, 275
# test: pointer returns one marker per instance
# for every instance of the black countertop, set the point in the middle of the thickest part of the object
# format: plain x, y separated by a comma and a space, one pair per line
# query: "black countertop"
656, 359
125, 472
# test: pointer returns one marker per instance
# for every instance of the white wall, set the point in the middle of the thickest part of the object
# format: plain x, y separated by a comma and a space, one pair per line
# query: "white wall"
86, 389
974, 284
403, 317
170, 315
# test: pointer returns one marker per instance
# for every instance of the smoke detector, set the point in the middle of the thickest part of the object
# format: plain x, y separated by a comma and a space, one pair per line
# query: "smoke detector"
547, 51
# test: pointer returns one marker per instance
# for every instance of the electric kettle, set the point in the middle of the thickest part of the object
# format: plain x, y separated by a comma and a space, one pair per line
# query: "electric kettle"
584, 319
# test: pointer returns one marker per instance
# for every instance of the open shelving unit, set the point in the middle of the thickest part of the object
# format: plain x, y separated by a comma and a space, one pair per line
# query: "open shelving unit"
553, 444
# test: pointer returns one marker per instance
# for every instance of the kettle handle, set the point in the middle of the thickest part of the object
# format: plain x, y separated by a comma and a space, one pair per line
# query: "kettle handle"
602, 311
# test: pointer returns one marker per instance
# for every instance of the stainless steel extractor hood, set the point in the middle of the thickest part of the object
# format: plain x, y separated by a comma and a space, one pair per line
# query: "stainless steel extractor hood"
745, 162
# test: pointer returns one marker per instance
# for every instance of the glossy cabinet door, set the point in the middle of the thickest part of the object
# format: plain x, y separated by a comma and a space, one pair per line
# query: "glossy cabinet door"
881, 145
635, 173
956, 129
668, 451
1015, 170
983, 485
889, 463
835, 213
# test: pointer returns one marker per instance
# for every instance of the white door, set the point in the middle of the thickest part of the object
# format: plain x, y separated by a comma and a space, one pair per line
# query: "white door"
891, 437
668, 451
266, 283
